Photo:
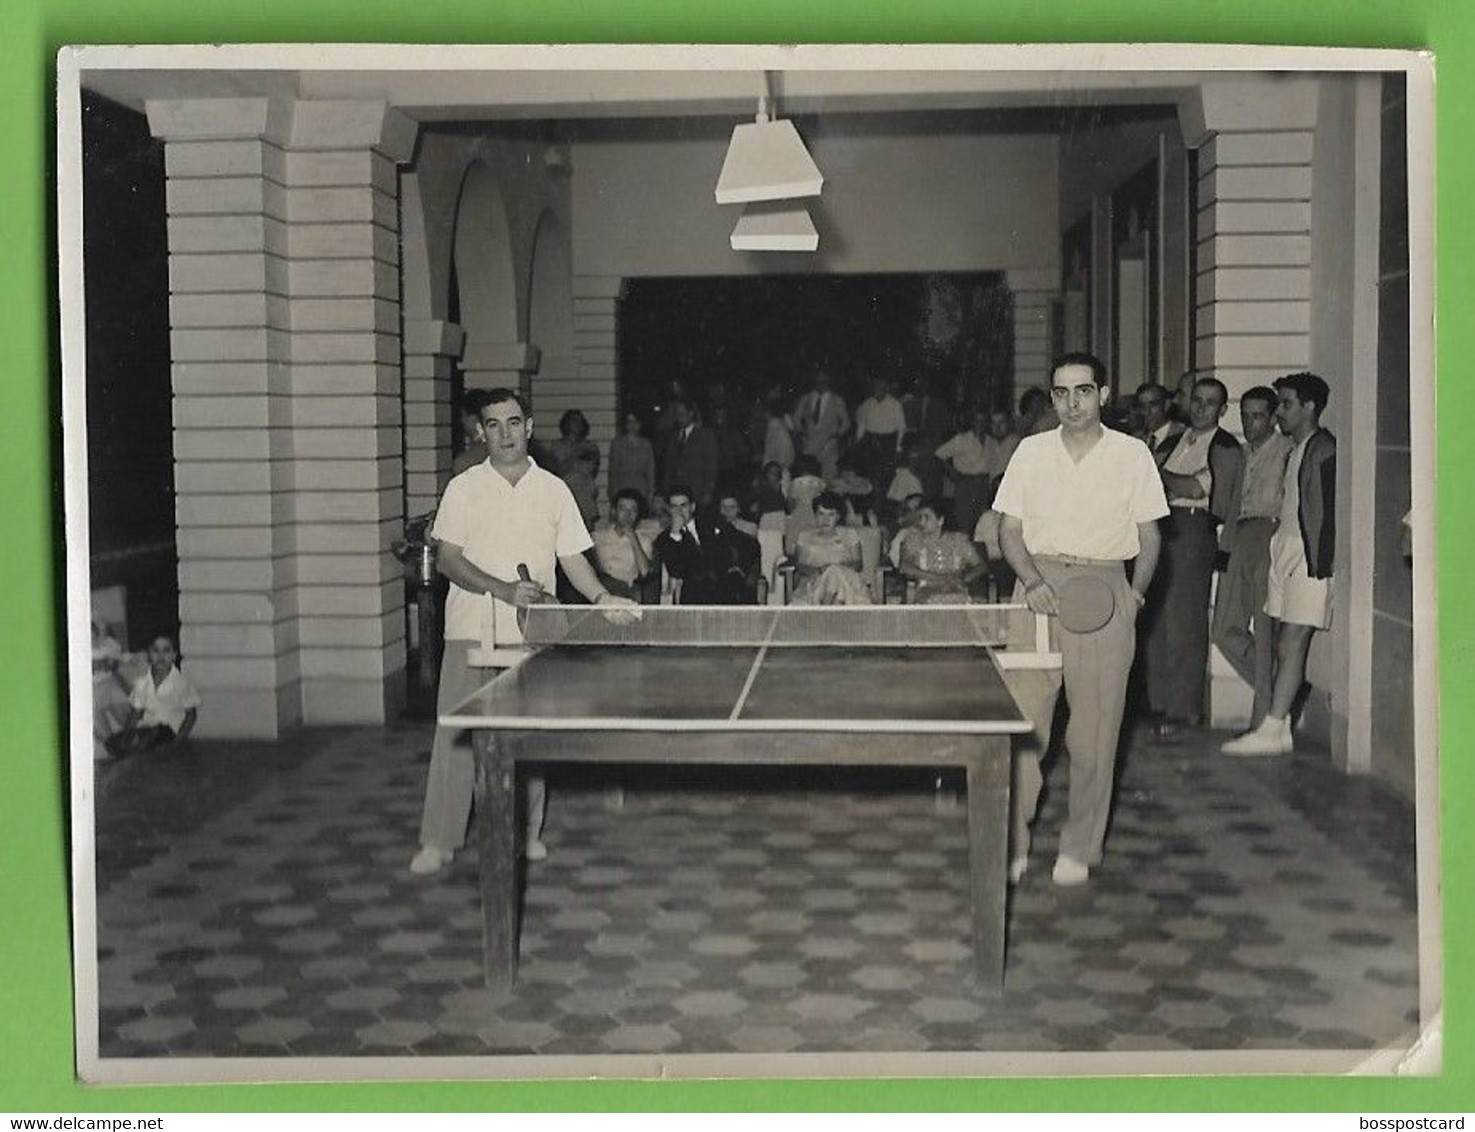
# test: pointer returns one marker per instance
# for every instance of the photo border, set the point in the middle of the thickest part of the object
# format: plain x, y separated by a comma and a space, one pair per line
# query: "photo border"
32, 807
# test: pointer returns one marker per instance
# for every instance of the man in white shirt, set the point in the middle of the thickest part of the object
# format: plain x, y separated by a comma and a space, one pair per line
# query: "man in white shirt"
1241, 628
1157, 426
972, 457
880, 424
504, 513
822, 419
1078, 501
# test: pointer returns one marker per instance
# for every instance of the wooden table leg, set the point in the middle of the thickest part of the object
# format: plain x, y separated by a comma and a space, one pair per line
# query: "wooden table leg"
495, 822
988, 849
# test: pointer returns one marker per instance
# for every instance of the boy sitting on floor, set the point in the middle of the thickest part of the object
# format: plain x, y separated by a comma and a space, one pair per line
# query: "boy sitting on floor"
163, 705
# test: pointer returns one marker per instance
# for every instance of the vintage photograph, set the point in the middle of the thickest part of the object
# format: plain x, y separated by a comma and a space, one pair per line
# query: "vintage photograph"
694, 561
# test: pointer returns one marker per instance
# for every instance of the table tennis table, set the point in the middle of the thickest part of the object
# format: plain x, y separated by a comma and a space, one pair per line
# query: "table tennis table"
898, 686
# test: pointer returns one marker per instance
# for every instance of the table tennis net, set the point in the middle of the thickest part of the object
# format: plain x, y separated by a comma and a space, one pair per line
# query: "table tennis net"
886, 626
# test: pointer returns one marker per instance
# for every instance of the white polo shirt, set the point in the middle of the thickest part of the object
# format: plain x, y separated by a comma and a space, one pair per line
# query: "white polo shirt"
498, 526
1086, 510
165, 703
881, 418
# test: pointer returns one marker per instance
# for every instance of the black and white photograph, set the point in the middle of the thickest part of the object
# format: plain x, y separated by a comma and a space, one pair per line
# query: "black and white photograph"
699, 561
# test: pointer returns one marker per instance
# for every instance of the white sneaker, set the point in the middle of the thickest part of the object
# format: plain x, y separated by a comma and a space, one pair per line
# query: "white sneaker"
1017, 868
1069, 872
536, 850
1270, 738
429, 860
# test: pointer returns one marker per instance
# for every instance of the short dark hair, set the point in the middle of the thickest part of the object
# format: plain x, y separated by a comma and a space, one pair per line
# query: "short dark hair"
1308, 388
641, 507
681, 489
1214, 383
570, 419
1261, 393
831, 501
502, 394
1033, 400
1081, 358
473, 401
1153, 388
938, 506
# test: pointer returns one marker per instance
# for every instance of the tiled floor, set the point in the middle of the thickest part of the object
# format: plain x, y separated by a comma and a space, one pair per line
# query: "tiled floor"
255, 901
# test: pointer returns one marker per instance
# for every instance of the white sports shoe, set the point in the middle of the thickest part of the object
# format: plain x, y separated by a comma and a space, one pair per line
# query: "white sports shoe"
429, 860
1272, 737
1069, 872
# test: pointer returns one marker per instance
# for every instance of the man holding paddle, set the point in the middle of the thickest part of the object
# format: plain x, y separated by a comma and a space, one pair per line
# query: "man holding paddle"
1076, 503
502, 527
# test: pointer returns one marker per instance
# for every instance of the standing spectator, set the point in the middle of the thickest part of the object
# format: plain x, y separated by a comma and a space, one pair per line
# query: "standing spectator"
880, 425
778, 433
473, 441
1158, 427
1241, 627
691, 454
823, 420
1036, 414
929, 421
573, 439
664, 426
999, 447
970, 466
734, 459
1201, 476
1180, 408
768, 491
1299, 587
580, 480
632, 462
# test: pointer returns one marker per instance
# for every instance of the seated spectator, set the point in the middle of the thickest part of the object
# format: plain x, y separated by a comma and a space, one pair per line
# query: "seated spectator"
851, 483
715, 564
986, 535
806, 486
768, 491
828, 559
906, 517
942, 563
624, 549
734, 460
110, 686
778, 433
731, 509
906, 481
163, 705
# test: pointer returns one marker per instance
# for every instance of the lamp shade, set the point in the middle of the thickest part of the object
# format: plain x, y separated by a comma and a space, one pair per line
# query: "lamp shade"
782, 227
766, 160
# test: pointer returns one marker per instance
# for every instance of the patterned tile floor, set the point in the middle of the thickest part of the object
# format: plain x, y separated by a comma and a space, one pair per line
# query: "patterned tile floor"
254, 900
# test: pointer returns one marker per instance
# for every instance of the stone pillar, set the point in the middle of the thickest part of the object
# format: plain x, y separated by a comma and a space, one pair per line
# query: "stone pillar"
1032, 290
1252, 318
431, 348
591, 385
283, 245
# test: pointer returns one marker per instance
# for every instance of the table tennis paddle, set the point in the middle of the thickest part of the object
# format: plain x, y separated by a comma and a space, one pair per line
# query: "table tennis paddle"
1086, 603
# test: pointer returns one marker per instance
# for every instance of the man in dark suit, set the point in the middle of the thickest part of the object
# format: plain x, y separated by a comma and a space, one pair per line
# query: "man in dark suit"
715, 563
1202, 474
692, 455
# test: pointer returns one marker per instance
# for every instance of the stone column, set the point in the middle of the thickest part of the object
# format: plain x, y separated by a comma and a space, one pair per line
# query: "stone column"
283, 244
1032, 290
431, 348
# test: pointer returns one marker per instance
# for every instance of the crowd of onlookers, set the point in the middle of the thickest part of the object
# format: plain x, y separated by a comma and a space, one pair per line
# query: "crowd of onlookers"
876, 500
888, 498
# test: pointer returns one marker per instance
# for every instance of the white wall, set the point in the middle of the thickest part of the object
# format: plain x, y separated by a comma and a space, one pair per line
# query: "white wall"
891, 203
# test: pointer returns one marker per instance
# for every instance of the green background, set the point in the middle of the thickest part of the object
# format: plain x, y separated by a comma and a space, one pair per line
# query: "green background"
36, 1057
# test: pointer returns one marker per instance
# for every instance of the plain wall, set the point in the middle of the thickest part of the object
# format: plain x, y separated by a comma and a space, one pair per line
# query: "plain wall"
891, 203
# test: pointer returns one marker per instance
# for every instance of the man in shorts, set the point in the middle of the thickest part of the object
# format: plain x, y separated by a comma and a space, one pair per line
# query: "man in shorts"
1298, 594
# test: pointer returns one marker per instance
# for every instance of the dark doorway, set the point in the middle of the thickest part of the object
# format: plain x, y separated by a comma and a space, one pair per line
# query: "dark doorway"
130, 469
732, 339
